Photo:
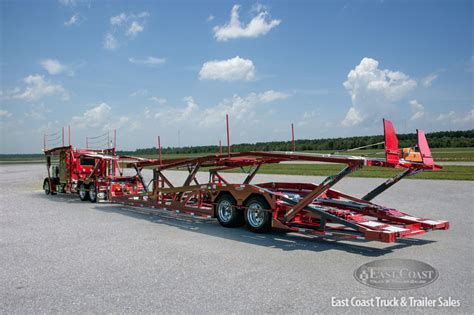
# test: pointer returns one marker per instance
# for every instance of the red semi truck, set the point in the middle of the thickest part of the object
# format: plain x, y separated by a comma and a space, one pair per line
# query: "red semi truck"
94, 175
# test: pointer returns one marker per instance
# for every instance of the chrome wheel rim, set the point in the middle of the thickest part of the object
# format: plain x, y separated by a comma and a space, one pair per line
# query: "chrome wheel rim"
255, 214
92, 193
82, 192
225, 210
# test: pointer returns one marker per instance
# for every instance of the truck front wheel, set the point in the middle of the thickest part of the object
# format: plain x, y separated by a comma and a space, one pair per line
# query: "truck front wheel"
83, 195
46, 188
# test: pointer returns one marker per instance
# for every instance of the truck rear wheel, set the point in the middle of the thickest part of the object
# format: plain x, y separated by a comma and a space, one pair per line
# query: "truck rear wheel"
83, 195
227, 213
258, 216
92, 193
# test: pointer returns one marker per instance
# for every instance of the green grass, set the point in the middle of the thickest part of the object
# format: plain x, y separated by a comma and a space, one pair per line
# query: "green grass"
451, 172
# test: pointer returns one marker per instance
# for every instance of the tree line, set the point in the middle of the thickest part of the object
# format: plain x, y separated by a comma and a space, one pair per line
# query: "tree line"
440, 139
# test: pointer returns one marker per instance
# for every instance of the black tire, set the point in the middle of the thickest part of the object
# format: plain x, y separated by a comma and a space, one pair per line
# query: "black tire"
83, 194
46, 188
92, 193
258, 217
226, 212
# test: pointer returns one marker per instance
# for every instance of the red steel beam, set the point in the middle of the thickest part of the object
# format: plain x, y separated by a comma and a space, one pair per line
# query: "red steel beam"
228, 134
159, 151
293, 137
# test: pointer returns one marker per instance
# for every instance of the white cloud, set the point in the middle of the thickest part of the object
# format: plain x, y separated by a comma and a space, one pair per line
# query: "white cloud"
271, 95
9, 93
139, 92
451, 116
372, 89
428, 80
143, 14
37, 88
37, 112
5, 114
174, 115
308, 115
119, 123
455, 120
259, 25
68, 3
110, 42
157, 99
417, 110
210, 18
307, 119
149, 61
134, 29
191, 106
121, 30
72, 21
53, 66
235, 69
240, 108
123, 17
118, 19
353, 117
367, 79
92, 118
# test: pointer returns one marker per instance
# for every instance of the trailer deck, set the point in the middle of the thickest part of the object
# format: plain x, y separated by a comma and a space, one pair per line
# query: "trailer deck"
306, 208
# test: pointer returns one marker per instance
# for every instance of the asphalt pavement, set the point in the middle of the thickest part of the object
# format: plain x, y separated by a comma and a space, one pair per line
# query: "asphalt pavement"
61, 255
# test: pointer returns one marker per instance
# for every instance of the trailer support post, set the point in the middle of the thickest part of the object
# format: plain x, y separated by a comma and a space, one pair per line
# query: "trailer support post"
159, 151
388, 183
293, 137
140, 177
228, 134
325, 185
252, 174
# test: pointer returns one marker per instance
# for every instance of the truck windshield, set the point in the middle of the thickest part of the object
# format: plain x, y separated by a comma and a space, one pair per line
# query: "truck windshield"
87, 162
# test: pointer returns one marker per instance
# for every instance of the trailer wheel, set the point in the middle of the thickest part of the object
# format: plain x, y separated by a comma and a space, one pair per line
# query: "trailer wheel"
227, 214
257, 215
92, 193
83, 195
47, 189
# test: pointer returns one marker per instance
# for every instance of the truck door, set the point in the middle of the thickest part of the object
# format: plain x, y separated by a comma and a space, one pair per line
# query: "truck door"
63, 169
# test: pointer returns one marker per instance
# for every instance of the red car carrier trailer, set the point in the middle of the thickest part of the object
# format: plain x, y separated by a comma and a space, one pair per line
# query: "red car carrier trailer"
317, 209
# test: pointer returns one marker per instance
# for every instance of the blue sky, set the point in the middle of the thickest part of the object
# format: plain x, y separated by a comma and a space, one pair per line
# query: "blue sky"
333, 68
